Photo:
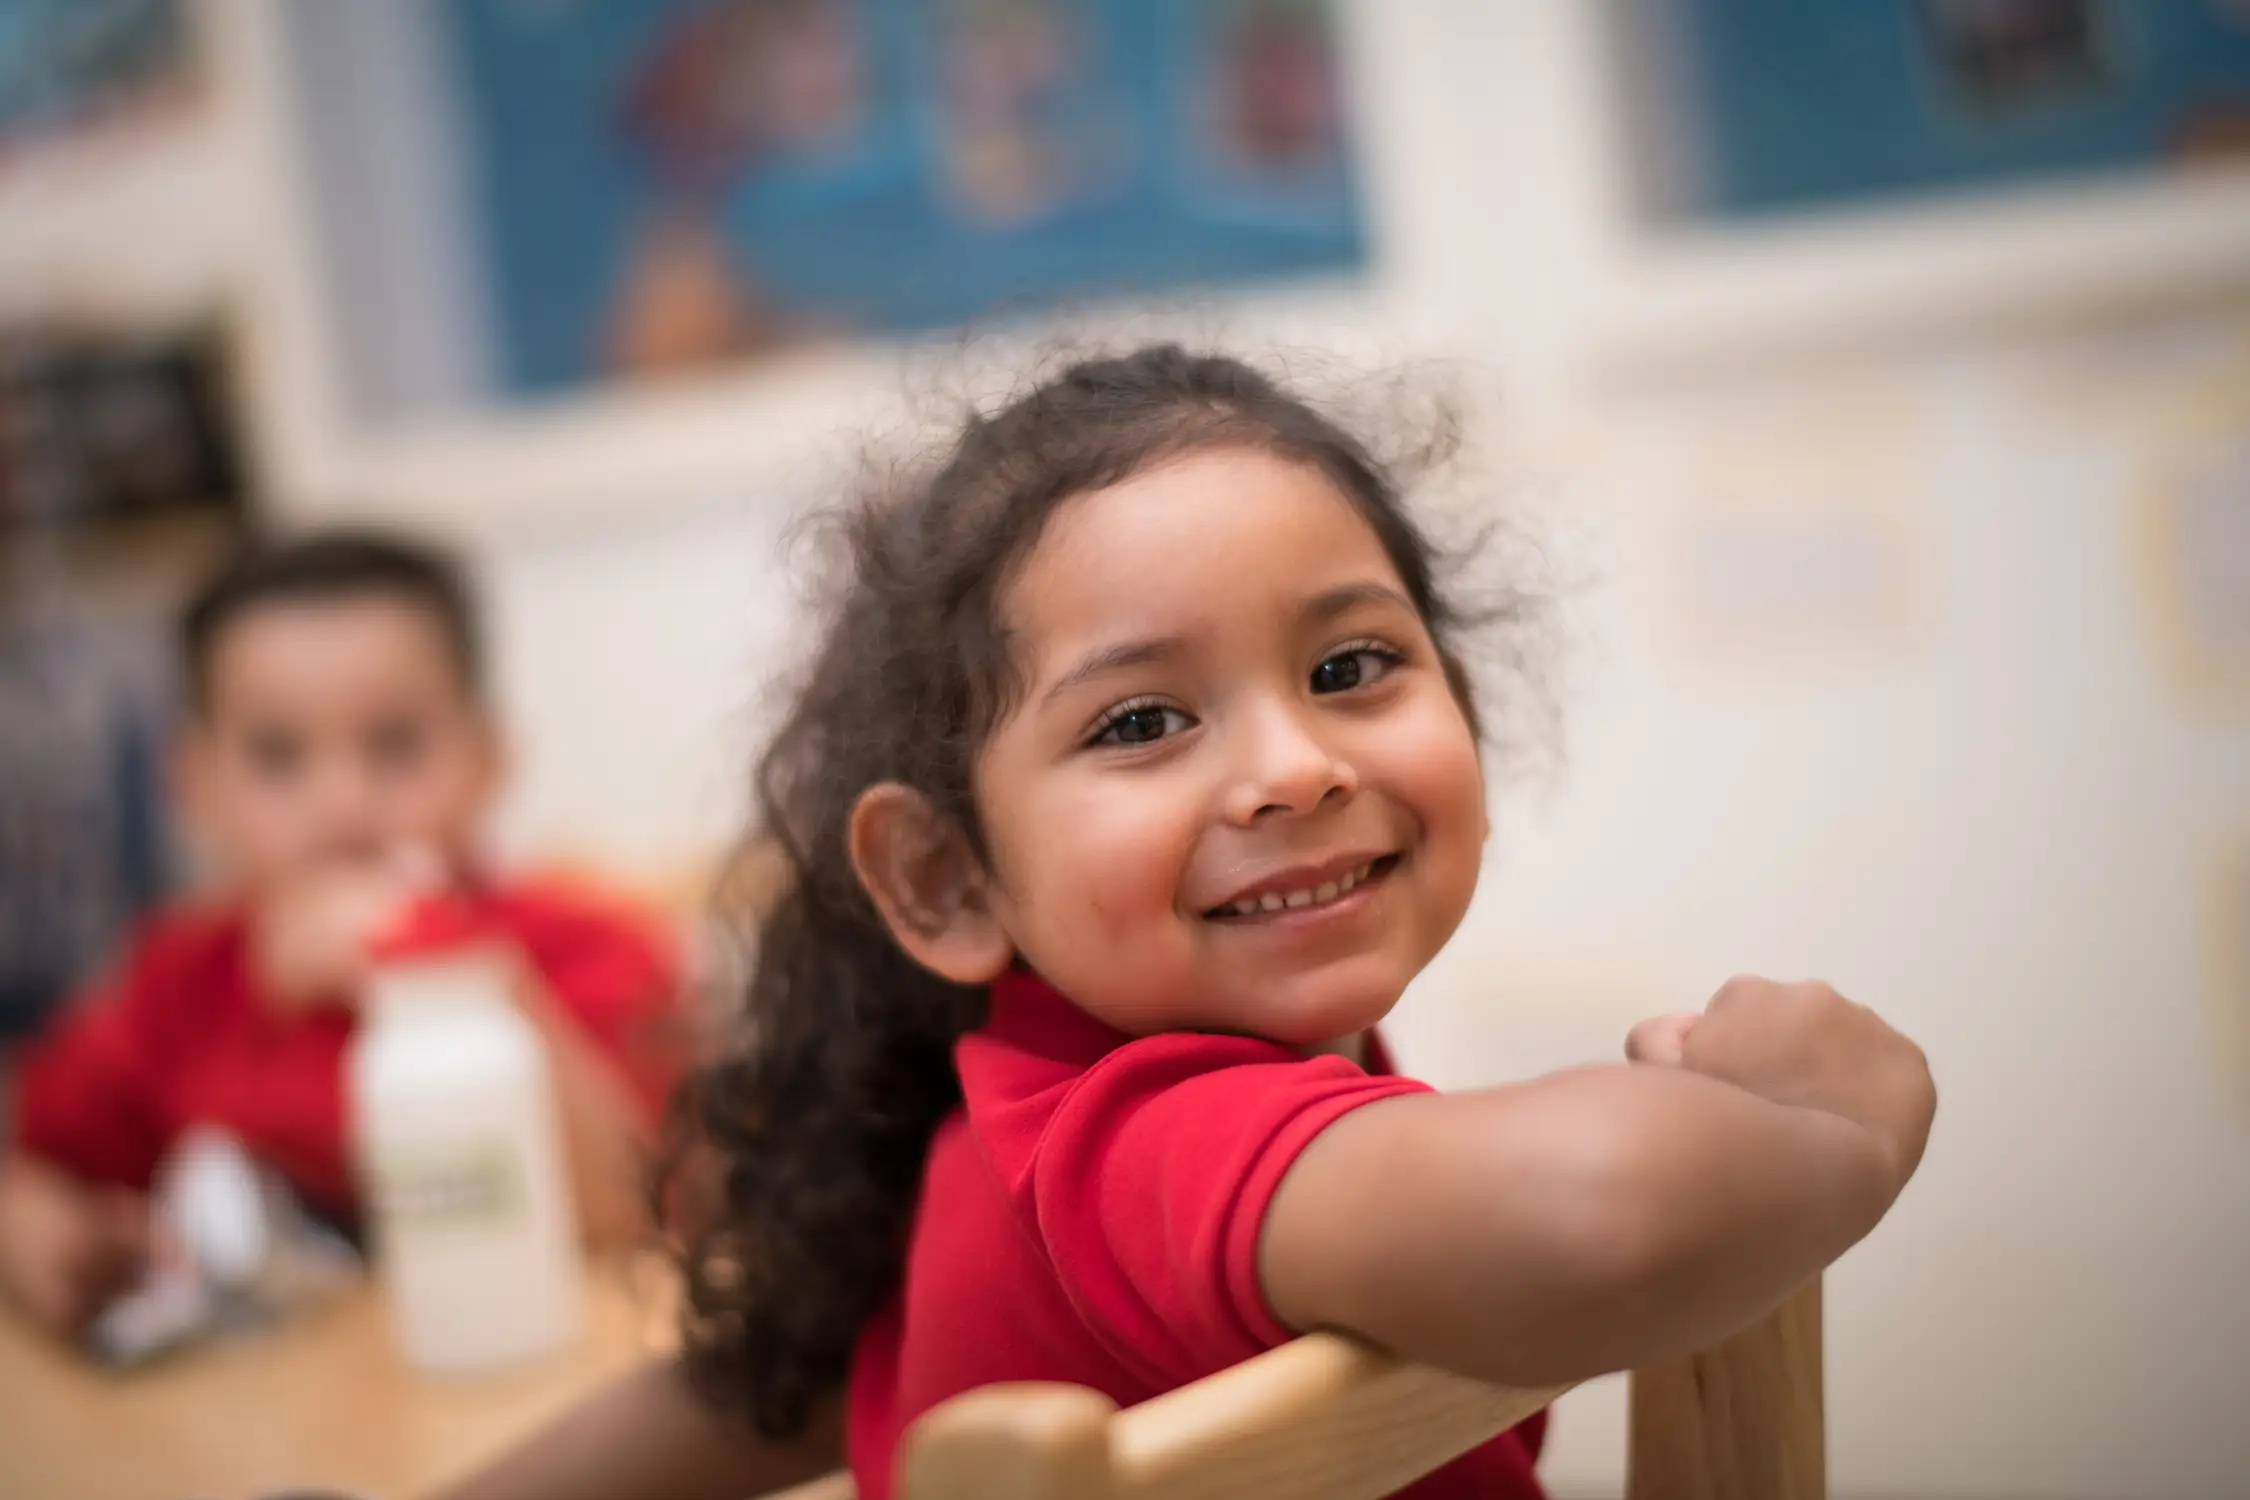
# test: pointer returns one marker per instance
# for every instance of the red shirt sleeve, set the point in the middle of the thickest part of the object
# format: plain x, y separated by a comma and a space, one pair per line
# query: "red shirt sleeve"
88, 1092
615, 975
1151, 1184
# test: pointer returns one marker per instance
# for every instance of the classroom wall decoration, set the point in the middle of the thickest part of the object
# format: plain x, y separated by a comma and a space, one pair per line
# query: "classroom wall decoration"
2194, 552
1781, 580
1779, 106
1793, 541
99, 426
68, 67
662, 183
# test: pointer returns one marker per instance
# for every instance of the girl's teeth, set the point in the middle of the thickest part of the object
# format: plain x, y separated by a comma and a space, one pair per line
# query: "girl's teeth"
1319, 895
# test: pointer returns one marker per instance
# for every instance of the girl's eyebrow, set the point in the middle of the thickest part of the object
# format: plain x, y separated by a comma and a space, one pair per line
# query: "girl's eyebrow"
1118, 658
1126, 655
1344, 598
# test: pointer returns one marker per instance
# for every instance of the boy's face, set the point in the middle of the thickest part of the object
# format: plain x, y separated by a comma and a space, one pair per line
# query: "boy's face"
332, 732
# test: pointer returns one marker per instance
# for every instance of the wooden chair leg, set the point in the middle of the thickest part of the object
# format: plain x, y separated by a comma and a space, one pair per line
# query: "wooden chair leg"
1743, 1421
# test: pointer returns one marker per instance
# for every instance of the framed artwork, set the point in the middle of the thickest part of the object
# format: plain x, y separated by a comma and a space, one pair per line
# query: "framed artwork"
99, 428
546, 259
1791, 106
660, 184
72, 68
104, 131
1801, 174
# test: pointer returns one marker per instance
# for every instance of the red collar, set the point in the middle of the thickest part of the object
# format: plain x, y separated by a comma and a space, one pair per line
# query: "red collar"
1029, 1013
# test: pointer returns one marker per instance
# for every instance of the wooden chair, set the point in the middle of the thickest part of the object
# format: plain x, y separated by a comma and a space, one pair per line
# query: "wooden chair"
1326, 1418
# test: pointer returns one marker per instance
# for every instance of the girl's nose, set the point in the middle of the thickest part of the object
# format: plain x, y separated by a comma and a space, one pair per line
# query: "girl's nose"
1285, 769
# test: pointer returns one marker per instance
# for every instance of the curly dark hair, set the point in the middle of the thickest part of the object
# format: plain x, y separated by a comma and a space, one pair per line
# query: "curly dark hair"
805, 1141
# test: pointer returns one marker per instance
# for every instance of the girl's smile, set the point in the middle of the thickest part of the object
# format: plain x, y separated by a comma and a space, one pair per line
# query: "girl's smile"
1307, 893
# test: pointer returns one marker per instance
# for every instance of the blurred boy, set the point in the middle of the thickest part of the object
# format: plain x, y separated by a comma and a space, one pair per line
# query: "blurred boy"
337, 760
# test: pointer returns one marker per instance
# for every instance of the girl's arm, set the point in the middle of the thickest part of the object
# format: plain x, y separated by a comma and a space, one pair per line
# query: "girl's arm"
648, 1436
1605, 1219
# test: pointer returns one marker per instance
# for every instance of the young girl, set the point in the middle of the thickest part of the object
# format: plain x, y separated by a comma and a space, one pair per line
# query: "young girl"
1136, 778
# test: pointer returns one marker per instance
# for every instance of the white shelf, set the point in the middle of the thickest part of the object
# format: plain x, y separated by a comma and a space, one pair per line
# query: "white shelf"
78, 240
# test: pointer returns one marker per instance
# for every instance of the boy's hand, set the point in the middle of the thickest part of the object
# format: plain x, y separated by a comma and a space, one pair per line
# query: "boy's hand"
311, 940
66, 1250
1807, 1046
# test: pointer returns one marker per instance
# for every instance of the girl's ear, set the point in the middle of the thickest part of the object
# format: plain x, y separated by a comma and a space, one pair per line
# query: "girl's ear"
921, 875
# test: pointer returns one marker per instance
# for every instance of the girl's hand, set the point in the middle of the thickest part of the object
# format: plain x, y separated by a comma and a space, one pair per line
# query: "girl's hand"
1807, 1046
1601, 1219
1660, 1040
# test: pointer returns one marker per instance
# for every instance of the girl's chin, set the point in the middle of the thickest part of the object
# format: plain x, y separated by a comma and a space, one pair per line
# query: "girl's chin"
1312, 1011
1321, 1022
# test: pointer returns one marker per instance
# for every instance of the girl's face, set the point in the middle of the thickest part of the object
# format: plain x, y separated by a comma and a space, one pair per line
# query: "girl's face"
1238, 794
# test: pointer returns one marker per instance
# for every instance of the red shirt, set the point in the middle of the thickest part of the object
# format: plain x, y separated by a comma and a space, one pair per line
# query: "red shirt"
1091, 1216
180, 1036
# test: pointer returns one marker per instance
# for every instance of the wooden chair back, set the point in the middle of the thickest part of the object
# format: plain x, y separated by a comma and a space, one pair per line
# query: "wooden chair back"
1327, 1418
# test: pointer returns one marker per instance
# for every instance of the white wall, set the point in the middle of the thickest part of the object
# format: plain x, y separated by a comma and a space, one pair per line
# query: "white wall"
633, 664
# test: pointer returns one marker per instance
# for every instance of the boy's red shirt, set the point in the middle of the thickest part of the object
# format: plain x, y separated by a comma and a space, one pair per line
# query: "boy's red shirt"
1091, 1216
180, 1035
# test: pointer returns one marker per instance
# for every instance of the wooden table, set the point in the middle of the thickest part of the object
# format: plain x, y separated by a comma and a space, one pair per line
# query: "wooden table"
320, 1405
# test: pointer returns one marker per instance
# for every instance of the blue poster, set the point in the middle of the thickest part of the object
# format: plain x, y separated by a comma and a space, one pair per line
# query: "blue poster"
664, 183
72, 65
1786, 105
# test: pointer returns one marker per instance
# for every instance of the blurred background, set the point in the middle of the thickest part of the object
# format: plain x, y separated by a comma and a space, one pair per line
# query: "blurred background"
1880, 370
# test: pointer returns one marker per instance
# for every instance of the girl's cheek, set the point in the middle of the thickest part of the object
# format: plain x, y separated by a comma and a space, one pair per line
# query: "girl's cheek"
1442, 762
1132, 846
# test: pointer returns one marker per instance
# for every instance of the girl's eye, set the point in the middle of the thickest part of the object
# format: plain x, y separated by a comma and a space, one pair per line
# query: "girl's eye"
1354, 668
1140, 724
